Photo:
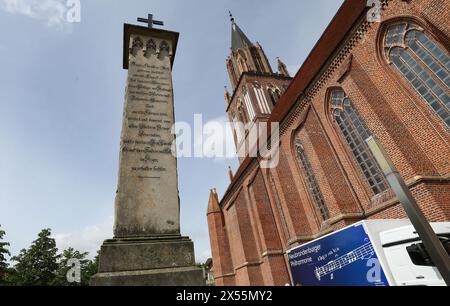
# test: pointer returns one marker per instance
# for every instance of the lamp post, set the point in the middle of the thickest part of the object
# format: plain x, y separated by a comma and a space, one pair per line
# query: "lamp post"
430, 240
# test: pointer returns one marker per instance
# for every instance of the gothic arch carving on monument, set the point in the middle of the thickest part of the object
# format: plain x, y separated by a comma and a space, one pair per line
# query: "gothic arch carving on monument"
150, 48
163, 50
136, 46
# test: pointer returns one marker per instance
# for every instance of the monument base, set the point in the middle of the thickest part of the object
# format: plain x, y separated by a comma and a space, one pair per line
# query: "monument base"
148, 261
187, 276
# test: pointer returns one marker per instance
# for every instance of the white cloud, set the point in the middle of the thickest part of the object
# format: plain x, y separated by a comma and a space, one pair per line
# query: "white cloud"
88, 239
52, 12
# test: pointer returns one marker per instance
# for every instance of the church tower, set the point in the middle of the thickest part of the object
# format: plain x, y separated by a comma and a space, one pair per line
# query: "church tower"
220, 245
256, 89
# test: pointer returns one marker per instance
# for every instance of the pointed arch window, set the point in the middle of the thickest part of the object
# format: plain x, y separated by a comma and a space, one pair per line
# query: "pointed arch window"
311, 181
249, 105
261, 98
242, 61
422, 62
355, 132
275, 94
258, 62
237, 128
241, 113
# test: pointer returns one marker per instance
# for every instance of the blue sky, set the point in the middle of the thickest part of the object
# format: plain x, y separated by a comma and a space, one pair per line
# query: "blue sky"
61, 101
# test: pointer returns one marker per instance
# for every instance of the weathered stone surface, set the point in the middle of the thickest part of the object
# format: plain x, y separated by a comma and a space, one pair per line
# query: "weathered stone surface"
143, 254
148, 249
184, 276
147, 200
163, 261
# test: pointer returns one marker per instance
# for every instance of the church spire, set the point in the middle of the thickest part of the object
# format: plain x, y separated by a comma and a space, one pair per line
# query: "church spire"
245, 56
282, 69
238, 38
255, 88
231, 16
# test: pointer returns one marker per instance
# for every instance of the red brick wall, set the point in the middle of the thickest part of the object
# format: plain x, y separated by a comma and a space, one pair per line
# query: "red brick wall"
220, 247
273, 266
260, 218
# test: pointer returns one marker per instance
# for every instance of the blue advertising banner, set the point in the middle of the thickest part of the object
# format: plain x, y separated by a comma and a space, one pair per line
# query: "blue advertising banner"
344, 258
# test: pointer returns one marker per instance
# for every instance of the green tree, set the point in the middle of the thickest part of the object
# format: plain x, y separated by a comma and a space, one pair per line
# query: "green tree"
3, 253
38, 265
92, 267
68, 266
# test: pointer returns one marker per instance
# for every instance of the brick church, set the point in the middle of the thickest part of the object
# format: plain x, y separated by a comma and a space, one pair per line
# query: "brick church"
389, 78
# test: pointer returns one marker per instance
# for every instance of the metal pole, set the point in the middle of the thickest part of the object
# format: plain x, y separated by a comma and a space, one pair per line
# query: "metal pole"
423, 228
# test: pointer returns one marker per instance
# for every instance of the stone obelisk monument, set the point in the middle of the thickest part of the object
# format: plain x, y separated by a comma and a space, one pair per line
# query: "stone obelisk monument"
147, 248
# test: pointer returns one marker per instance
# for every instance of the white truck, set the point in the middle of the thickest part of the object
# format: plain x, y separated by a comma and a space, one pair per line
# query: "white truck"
368, 253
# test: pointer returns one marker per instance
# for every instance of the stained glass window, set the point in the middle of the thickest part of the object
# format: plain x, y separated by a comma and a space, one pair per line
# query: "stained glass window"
355, 132
311, 180
423, 63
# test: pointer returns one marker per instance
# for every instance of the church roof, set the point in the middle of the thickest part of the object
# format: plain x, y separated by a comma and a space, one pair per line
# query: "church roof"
238, 39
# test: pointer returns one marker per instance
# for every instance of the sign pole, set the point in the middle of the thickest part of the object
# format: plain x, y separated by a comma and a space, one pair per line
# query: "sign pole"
423, 228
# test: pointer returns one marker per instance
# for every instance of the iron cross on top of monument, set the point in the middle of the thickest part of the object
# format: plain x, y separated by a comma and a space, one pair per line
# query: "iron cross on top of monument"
150, 21
131, 30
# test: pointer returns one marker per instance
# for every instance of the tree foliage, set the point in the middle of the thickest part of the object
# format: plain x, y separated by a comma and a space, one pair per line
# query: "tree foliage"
92, 267
38, 265
42, 265
66, 268
3, 253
